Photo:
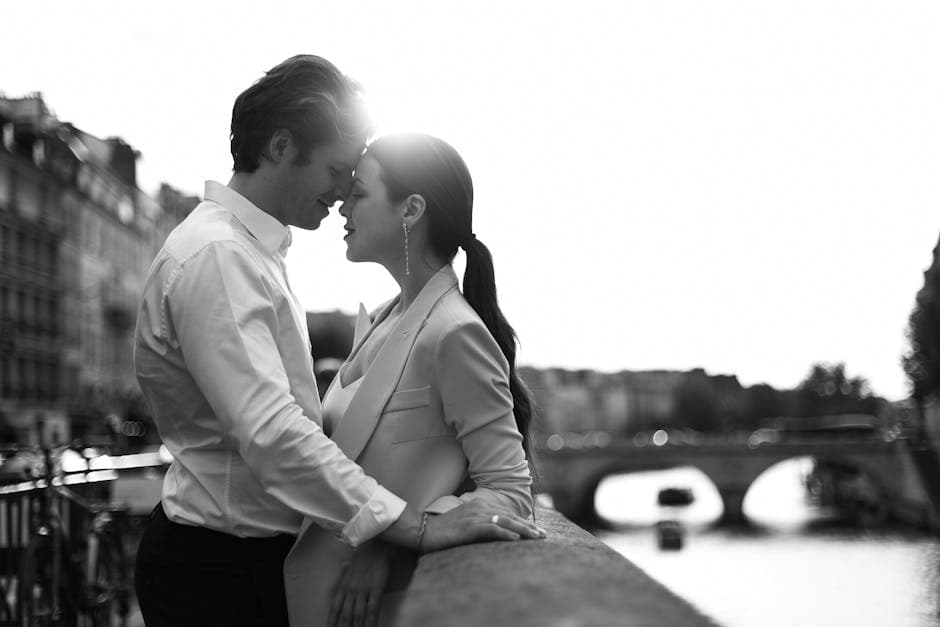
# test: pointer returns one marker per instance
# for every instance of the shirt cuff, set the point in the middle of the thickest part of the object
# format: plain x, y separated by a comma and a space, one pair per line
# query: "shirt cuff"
377, 515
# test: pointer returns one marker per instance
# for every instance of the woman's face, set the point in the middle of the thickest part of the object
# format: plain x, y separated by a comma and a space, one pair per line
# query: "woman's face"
373, 223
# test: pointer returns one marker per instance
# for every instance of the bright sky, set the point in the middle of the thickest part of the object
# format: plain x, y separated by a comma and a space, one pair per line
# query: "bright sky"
745, 186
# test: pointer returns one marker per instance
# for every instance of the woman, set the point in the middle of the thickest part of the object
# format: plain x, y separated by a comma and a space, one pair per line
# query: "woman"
428, 402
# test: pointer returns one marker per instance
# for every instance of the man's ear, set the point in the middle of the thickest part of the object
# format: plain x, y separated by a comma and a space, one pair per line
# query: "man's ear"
414, 209
280, 146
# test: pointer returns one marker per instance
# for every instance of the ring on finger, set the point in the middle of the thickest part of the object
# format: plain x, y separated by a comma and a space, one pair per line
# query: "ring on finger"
494, 519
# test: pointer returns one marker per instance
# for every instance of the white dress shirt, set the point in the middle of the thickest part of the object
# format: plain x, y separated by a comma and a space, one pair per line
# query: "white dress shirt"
223, 358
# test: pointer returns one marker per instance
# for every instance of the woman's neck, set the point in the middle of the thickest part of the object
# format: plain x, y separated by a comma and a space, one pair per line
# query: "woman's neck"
412, 283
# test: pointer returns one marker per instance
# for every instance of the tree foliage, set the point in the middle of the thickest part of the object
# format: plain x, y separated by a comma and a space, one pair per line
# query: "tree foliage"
828, 390
331, 334
697, 405
922, 361
718, 403
762, 401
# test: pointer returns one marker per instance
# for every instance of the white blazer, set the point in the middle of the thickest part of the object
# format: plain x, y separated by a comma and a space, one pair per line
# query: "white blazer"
433, 410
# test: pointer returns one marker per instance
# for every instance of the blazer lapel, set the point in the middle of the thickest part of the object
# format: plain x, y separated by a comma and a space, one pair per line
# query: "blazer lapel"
381, 378
363, 323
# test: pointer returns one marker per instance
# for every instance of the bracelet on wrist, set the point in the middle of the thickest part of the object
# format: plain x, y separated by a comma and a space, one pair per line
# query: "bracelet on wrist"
421, 530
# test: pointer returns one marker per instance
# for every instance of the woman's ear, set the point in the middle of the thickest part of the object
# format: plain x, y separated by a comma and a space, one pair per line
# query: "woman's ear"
414, 209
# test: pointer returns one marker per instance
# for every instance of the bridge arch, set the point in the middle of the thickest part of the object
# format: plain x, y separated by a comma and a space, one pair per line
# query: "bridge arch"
633, 498
734, 477
571, 476
860, 485
577, 499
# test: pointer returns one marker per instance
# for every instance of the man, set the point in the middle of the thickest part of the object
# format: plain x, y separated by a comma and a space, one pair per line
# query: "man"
223, 357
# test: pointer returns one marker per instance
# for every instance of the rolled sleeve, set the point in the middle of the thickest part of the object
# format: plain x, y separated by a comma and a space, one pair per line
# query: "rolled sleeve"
377, 515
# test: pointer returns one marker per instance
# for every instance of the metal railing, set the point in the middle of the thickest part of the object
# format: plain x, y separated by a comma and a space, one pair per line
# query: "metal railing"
21, 503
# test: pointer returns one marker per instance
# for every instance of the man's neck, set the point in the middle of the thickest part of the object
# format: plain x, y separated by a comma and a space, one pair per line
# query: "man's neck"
255, 187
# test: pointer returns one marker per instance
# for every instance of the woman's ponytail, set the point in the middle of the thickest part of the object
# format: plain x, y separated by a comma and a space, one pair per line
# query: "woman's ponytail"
479, 289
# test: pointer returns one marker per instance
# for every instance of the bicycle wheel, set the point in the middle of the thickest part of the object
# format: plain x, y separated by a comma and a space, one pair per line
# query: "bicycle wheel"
38, 604
7, 617
106, 581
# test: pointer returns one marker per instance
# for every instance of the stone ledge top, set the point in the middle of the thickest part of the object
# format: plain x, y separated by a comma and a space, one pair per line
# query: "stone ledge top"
569, 579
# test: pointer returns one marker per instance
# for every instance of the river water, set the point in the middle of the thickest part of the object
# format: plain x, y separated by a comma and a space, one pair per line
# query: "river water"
797, 566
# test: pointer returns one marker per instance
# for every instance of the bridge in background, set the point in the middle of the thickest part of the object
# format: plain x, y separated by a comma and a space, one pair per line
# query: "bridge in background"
571, 475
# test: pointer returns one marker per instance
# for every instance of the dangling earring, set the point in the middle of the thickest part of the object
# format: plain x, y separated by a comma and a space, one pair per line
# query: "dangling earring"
405, 227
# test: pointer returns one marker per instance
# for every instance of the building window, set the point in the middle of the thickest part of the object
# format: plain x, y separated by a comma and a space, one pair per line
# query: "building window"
28, 252
42, 256
125, 210
94, 236
19, 306
6, 194
28, 199
6, 377
53, 317
55, 389
44, 380
74, 382
26, 311
6, 312
53, 259
19, 379
39, 314
28, 372
38, 387
39, 152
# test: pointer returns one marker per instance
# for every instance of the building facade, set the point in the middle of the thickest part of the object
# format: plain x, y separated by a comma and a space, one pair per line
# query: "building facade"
619, 403
76, 238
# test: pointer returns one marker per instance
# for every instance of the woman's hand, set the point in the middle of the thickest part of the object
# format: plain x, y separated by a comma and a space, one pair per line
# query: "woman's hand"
358, 594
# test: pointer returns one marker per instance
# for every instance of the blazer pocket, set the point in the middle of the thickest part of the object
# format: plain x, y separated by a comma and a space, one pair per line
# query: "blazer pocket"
408, 417
408, 399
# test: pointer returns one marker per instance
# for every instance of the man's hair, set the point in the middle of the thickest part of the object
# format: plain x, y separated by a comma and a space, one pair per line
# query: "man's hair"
305, 95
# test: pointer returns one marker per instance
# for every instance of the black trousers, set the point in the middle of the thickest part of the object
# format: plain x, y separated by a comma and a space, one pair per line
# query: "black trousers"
195, 576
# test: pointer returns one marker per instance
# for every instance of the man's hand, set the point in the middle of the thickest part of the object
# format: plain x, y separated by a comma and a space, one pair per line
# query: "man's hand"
476, 522
358, 594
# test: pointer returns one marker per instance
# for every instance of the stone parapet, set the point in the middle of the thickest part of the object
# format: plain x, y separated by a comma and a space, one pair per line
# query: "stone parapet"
569, 579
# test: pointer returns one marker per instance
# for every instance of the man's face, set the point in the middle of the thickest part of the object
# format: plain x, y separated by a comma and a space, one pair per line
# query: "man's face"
308, 191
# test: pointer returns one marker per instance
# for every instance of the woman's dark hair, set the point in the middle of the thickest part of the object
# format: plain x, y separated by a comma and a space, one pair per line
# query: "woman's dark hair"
413, 163
306, 95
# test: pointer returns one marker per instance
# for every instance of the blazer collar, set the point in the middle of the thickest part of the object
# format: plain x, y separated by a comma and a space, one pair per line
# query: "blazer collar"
381, 378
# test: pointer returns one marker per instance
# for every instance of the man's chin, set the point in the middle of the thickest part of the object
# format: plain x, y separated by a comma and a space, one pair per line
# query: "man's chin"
309, 223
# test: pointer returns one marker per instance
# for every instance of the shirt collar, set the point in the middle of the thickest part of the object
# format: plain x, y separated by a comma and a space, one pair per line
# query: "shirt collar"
274, 236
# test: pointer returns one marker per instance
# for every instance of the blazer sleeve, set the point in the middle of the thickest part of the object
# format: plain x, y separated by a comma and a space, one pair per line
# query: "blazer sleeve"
473, 380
